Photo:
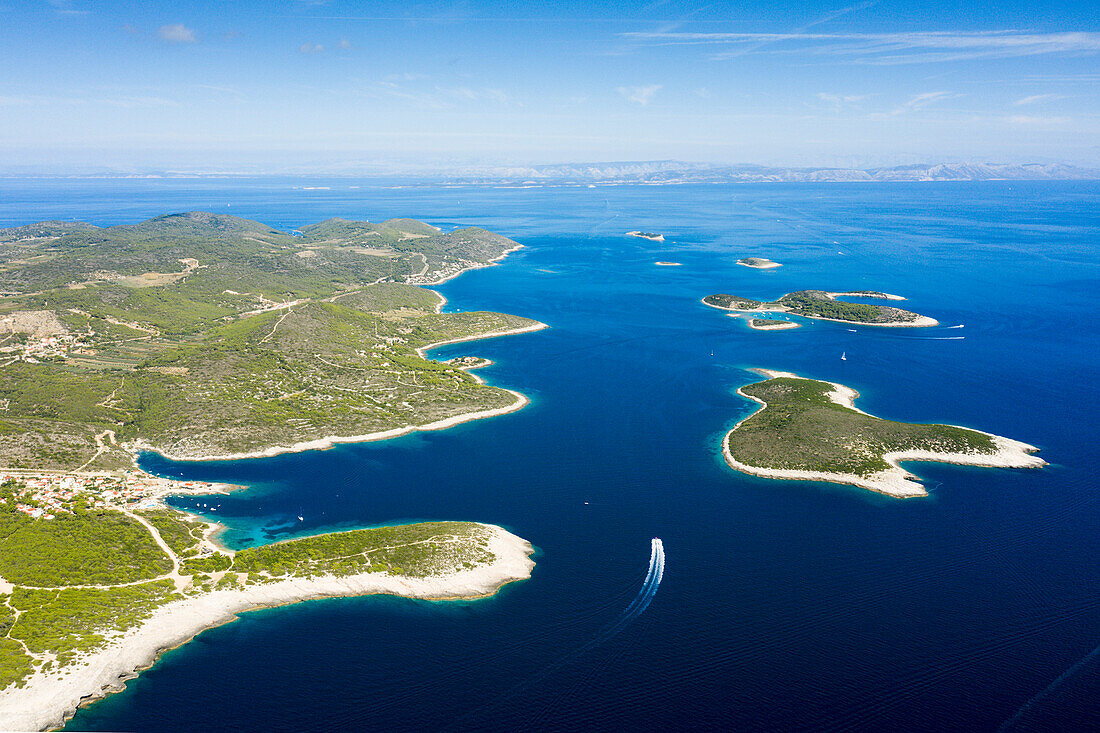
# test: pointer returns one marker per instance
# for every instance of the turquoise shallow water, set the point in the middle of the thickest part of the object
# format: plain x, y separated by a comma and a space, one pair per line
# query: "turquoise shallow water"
784, 605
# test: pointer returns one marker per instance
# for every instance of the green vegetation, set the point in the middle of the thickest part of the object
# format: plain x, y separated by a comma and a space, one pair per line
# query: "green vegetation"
83, 548
180, 533
802, 429
820, 304
773, 323
53, 616
416, 549
731, 302
210, 564
71, 620
15, 664
205, 334
757, 262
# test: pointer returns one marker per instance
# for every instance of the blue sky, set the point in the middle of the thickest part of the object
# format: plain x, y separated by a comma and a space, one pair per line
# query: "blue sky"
250, 85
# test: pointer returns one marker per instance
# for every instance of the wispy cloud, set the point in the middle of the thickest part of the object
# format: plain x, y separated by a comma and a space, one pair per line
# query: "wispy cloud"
889, 48
1036, 98
406, 76
474, 95
344, 43
639, 95
125, 102
1039, 121
176, 33
839, 101
65, 7
437, 97
920, 101
133, 102
311, 48
759, 43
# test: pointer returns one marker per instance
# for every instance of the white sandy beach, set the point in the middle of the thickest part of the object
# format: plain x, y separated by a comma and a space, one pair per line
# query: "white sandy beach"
769, 265
49, 699
894, 481
780, 326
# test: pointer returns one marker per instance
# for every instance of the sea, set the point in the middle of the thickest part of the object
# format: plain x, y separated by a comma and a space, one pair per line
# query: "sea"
783, 605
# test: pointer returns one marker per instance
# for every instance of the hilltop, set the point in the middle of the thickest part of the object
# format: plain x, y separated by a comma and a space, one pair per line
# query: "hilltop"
203, 334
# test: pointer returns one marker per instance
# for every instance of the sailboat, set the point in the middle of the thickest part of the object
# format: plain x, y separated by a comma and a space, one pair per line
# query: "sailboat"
844, 356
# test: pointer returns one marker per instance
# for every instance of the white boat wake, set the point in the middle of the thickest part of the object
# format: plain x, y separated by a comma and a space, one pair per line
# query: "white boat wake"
1026, 707
649, 589
636, 608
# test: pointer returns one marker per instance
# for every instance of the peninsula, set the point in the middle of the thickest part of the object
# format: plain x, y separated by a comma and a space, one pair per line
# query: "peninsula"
760, 263
823, 305
204, 336
96, 593
811, 430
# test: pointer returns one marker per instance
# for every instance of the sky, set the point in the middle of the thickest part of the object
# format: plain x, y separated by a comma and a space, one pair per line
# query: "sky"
315, 85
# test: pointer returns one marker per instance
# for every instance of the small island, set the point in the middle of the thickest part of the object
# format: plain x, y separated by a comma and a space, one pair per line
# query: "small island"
760, 263
469, 363
772, 324
823, 305
668, 264
807, 429
651, 236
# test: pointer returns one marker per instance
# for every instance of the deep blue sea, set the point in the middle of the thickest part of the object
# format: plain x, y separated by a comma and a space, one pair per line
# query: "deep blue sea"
784, 605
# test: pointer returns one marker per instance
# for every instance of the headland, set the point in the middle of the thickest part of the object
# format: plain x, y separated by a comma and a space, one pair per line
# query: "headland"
67, 662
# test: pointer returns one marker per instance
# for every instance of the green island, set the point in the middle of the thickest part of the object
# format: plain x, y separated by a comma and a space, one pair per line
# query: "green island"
772, 324
202, 335
651, 236
760, 263
824, 305
809, 429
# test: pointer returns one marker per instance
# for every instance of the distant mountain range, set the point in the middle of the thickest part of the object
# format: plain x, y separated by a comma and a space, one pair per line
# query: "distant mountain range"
653, 172
672, 172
